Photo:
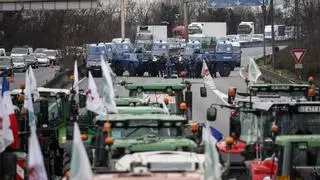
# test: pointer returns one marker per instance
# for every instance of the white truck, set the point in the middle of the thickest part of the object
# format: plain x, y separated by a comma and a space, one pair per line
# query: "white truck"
245, 31
279, 32
206, 32
149, 34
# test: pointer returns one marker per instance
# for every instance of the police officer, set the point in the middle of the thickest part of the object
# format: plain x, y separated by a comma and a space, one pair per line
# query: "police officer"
214, 69
193, 68
162, 65
168, 67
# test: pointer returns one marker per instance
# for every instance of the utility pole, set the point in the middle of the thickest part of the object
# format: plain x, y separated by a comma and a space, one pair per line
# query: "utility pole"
122, 19
297, 23
272, 32
185, 17
264, 31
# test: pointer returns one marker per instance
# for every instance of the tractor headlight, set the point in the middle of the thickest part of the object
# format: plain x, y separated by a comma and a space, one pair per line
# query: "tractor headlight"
267, 178
167, 124
119, 124
178, 123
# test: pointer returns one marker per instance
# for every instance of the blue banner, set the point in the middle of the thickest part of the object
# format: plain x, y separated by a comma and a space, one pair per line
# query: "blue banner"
233, 3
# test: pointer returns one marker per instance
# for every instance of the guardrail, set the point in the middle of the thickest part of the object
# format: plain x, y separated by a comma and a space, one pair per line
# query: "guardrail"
260, 43
269, 76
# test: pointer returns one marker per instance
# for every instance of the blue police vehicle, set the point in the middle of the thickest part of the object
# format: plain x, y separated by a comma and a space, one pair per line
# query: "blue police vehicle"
95, 53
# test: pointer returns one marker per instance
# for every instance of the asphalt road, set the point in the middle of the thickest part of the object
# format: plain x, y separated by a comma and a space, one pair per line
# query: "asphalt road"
200, 105
42, 74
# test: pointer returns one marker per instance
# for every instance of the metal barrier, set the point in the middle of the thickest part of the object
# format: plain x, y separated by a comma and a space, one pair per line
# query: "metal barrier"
269, 76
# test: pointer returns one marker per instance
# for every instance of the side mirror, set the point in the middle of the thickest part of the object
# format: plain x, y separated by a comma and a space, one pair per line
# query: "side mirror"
82, 100
211, 113
203, 91
122, 83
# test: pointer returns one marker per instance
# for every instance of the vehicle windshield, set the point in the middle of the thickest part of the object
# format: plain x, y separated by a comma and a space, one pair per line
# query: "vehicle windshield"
143, 36
50, 53
249, 126
17, 59
192, 47
41, 56
194, 31
5, 61
137, 132
19, 51
305, 161
39, 50
160, 47
96, 50
29, 58
94, 57
224, 47
123, 47
244, 29
53, 107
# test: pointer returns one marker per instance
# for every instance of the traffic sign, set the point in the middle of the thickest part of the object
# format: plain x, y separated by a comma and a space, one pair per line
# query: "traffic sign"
233, 3
298, 54
298, 66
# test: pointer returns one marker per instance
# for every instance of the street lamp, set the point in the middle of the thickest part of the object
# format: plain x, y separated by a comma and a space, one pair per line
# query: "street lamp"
122, 19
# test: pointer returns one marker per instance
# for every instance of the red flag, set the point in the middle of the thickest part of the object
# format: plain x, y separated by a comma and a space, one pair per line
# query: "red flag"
9, 111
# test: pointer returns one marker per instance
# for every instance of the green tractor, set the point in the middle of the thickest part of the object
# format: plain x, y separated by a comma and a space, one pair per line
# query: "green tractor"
177, 96
140, 133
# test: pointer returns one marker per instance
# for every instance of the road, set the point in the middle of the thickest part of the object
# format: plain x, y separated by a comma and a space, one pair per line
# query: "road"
200, 105
42, 74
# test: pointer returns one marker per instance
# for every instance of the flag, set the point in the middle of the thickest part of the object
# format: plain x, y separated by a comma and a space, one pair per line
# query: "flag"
80, 165
212, 166
36, 168
6, 135
93, 102
76, 77
28, 104
108, 91
205, 73
9, 111
253, 71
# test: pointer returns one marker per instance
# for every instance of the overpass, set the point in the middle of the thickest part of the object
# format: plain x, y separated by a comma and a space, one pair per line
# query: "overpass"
18, 5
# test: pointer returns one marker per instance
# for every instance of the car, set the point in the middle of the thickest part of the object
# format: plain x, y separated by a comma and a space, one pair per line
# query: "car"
42, 59
39, 50
19, 63
52, 56
32, 60
20, 51
6, 65
2, 52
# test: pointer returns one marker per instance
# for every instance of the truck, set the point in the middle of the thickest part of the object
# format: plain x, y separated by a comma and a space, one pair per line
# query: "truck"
207, 32
245, 31
279, 32
266, 111
150, 34
95, 53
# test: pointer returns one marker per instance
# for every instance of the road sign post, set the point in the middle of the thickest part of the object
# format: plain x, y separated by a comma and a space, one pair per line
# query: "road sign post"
298, 55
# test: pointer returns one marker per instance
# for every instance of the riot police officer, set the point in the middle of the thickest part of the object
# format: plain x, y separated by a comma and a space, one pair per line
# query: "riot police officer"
168, 67
162, 65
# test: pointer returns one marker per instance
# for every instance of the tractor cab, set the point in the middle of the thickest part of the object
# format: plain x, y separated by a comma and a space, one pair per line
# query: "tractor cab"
298, 156
146, 132
265, 106
170, 94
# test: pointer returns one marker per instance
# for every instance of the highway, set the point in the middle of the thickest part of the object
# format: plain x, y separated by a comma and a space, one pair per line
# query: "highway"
42, 74
200, 105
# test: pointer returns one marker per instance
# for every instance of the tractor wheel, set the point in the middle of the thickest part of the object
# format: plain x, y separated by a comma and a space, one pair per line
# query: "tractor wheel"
66, 162
225, 71
131, 69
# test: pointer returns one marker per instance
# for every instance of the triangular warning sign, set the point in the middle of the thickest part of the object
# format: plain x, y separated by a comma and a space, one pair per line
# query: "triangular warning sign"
298, 54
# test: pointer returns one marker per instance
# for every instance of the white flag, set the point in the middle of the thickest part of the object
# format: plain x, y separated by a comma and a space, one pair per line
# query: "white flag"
80, 165
76, 77
205, 73
93, 102
253, 71
6, 135
108, 90
212, 165
36, 168
30, 86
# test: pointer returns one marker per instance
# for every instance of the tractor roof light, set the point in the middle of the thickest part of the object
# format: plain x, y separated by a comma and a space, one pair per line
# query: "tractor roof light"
183, 74
311, 79
21, 98
311, 92
84, 137
229, 140
232, 92
183, 106
108, 140
194, 127
106, 127
22, 86
274, 128
71, 78
166, 100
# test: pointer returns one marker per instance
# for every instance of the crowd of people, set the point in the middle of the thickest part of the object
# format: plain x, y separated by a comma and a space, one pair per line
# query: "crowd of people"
166, 67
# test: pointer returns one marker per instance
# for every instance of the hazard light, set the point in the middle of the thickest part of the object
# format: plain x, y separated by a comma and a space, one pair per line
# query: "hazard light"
108, 140
311, 79
84, 137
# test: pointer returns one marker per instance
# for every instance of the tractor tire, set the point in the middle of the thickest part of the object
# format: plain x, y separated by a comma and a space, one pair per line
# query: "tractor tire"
117, 69
66, 162
131, 70
225, 71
